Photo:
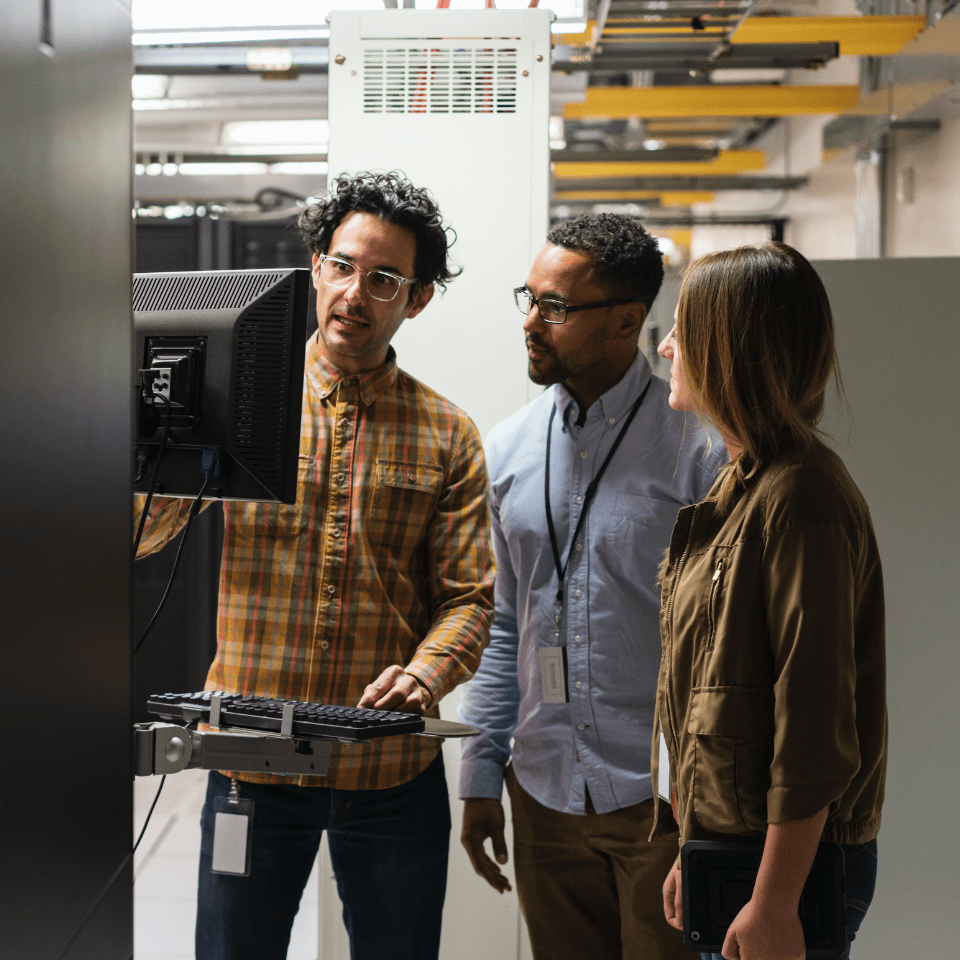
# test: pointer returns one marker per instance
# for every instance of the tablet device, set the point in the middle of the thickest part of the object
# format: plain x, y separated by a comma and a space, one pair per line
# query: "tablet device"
718, 879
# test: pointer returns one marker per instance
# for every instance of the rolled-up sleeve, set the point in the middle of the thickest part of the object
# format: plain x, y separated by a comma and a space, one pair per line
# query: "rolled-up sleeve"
460, 572
167, 517
809, 580
491, 700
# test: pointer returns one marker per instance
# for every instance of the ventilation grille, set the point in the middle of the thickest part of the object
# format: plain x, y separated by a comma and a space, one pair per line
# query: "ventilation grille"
201, 291
418, 80
260, 385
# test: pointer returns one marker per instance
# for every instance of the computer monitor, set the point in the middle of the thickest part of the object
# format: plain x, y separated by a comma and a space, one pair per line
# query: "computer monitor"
226, 348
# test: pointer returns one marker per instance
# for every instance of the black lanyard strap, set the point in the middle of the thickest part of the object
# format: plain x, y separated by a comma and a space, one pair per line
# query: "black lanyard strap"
588, 496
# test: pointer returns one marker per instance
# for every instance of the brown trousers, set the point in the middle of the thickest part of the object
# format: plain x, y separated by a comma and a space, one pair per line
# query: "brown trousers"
590, 886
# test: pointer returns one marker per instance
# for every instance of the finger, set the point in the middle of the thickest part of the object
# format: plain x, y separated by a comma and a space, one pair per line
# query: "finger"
472, 840
499, 844
731, 948
402, 696
672, 903
371, 694
491, 873
376, 689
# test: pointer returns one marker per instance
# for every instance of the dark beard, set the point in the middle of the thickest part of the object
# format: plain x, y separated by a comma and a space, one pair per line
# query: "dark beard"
546, 376
551, 369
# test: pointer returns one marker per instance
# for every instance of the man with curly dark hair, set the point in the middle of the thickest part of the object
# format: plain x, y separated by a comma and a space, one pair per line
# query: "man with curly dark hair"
585, 485
375, 589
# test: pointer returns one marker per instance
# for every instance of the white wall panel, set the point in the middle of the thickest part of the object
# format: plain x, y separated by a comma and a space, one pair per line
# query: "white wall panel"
467, 118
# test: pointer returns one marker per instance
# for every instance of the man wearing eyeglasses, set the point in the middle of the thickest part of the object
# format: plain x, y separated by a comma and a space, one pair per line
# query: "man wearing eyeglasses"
585, 486
374, 589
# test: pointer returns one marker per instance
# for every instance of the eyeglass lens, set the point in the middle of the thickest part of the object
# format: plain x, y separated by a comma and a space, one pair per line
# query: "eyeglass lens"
340, 273
552, 311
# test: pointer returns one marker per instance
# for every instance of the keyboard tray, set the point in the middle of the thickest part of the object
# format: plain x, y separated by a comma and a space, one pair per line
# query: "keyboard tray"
310, 720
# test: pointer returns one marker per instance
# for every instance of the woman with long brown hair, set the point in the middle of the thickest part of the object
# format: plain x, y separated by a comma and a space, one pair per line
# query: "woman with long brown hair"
771, 697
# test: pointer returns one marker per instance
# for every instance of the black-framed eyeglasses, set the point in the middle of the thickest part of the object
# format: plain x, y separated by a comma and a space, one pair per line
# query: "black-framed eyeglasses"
555, 311
381, 284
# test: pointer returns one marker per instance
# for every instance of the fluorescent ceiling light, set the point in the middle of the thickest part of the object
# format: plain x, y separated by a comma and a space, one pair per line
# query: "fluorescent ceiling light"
164, 104
148, 86
762, 75
277, 132
222, 169
272, 148
568, 26
313, 168
186, 15
168, 38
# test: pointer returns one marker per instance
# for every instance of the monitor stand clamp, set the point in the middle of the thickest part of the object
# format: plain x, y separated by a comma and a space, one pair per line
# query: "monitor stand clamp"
161, 748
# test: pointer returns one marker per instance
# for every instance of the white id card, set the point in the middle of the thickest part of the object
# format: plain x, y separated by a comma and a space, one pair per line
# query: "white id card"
232, 836
663, 770
553, 674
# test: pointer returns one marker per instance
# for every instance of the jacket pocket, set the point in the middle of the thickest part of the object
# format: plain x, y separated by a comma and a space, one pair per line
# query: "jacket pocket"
712, 604
732, 729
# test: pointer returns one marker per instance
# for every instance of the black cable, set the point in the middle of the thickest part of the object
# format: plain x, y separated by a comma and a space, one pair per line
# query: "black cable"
163, 780
194, 510
153, 473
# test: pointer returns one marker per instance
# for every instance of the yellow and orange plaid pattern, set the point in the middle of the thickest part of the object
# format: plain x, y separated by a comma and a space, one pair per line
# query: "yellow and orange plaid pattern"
384, 559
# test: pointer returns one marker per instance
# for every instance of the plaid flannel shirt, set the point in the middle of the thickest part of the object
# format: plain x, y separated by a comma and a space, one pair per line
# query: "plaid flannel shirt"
384, 559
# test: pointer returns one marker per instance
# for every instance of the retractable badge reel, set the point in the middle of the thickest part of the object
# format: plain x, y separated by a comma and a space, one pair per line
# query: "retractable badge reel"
232, 833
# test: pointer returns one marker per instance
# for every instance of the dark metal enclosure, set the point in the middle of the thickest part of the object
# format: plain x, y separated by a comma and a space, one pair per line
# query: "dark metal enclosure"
65, 476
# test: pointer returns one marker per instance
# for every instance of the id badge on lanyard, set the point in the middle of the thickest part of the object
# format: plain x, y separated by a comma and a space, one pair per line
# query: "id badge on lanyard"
553, 658
232, 833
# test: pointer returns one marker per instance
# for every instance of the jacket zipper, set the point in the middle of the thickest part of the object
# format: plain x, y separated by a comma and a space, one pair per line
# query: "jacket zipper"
673, 594
712, 606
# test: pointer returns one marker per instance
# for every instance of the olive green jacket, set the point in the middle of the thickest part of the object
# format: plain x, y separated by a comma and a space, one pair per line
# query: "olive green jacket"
771, 694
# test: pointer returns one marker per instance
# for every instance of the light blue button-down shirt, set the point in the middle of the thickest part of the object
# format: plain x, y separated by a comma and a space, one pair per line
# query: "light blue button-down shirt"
610, 619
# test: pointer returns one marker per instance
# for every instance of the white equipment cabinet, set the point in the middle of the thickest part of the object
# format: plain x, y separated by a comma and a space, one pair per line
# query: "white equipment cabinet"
468, 118
459, 101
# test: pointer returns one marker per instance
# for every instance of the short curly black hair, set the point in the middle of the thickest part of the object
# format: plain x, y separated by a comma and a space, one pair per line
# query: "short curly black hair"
628, 260
393, 198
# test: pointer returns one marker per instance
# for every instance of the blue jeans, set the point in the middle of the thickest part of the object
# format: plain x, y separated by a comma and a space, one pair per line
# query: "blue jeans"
388, 849
860, 872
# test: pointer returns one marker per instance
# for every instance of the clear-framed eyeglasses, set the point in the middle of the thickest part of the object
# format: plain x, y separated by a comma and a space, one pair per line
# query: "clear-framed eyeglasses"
555, 311
381, 284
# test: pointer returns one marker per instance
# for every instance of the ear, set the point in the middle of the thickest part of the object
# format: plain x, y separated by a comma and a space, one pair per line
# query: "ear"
315, 271
631, 320
420, 296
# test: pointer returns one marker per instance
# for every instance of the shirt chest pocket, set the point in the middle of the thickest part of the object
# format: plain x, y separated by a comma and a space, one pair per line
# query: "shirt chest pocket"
403, 498
639, 533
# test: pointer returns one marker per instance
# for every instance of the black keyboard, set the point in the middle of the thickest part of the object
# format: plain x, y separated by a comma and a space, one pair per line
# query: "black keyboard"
266, 713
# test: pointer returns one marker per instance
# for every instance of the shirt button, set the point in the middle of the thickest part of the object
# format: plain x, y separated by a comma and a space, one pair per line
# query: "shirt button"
324, 644
578, 638
331, 589
579, 684
336, 531
341, 477
579, 545
612, 421
577, 594
411, 477
583, 454
581, 726
579, 499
